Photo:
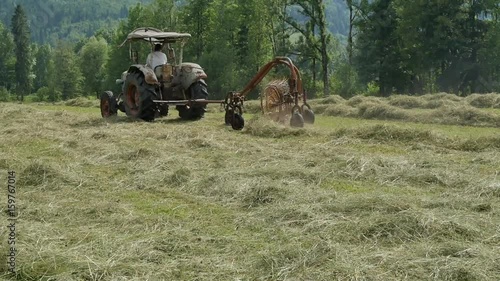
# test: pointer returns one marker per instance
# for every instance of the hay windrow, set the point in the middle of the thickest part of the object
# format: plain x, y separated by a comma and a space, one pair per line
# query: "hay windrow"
420, 102
320, 108
252, 107
356, 100
340, 110
465, 115
371, 110
394, 133
406, 102
334, 99
390, 133
483, 100
442, 96
82, 102
433, 108
261, 126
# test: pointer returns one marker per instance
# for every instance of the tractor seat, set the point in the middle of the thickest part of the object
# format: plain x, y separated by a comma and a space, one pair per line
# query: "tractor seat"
164, 72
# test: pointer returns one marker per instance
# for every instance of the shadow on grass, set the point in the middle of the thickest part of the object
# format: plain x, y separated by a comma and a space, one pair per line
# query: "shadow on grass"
178, 120
99, 121
175, 120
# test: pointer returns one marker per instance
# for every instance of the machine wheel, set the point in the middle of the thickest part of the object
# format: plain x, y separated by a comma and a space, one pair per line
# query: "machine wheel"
229, 117
163, 110
297, 120
309, 117
197, 90
138, 97
230, 112
121, 106
237, 122
108, 104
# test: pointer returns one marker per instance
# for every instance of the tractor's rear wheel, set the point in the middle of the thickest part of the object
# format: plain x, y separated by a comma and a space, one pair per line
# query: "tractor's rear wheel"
108, 105
197, 91
138, 97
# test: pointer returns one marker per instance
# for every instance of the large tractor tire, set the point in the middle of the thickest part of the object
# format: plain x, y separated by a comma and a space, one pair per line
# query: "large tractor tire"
138, 97
197, 90
108, 105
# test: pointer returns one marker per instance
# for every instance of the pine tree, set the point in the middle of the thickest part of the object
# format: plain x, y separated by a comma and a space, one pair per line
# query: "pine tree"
21, 32
7, 59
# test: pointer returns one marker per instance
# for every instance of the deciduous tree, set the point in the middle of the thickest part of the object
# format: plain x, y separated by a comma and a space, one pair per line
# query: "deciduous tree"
93, 57
40, 69
66, 72
316, 34
378, 55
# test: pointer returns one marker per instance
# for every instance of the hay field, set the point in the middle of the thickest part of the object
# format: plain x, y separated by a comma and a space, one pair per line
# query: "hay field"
373, 191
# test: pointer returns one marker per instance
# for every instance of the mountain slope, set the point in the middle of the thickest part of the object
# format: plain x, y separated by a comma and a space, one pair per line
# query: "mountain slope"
51, 20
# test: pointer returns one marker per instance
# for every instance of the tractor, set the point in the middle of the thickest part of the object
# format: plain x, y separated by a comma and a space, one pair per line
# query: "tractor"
147, 93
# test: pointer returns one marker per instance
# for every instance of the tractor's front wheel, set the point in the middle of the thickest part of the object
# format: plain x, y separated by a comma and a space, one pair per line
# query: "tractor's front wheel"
138, 97
108, 105
197, 91
163, 110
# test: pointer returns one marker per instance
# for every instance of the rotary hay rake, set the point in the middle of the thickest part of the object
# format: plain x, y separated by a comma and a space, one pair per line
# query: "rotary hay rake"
281, 99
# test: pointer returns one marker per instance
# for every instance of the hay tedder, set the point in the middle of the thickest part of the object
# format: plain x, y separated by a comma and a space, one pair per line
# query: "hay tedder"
281, 99
147, 93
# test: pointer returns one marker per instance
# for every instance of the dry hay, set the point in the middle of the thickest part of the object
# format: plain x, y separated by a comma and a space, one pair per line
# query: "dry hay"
385, 133
406, 102
357, 100
333, 99
483, 100
464, 115
262, 126
379, 110
196, 200
81, 102
338, 110
442, 96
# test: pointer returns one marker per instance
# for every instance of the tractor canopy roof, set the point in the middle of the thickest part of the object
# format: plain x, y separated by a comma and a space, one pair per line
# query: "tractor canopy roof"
154, 35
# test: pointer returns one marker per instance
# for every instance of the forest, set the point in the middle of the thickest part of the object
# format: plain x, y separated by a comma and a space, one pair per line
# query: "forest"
58, 50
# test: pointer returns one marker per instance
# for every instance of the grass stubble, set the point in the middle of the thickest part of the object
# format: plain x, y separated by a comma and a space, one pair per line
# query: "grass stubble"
343, 200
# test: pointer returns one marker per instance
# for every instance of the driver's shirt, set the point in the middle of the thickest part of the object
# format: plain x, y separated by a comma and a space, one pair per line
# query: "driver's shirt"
155, 59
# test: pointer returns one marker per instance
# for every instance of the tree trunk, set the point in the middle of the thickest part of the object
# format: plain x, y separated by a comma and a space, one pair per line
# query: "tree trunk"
349, 38
314, 69
324, 47
325, 60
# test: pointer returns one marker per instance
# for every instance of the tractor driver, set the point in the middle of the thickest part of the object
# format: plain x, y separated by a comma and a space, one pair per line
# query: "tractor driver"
156, 58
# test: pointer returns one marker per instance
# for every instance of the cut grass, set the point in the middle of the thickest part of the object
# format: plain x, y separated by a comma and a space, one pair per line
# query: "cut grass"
345, 199
438, 109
